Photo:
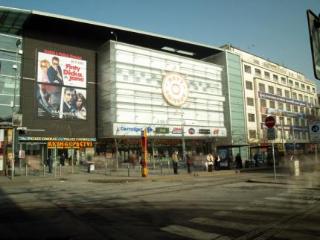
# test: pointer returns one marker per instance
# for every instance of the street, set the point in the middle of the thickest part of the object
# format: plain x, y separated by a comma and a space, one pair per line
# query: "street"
219, 206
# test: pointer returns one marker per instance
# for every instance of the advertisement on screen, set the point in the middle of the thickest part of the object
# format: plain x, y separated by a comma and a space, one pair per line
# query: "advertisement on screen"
58, 102
61, 69
61, 86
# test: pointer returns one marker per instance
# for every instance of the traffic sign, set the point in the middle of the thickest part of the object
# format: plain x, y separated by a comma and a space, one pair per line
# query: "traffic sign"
270, 121
271, 133
314, 131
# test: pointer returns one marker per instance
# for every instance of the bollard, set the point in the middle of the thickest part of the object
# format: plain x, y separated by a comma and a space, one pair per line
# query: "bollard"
296, 168
26, 168
128, 170
12, 169
161, 168
44, 170
60, 170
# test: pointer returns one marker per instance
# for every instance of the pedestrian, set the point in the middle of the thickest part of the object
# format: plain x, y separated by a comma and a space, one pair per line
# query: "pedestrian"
175, 162
62, 159
216, 162
238, 162
49, 163
210, 162
189, 162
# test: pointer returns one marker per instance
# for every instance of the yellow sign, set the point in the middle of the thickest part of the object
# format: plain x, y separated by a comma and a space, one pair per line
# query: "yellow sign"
74, 144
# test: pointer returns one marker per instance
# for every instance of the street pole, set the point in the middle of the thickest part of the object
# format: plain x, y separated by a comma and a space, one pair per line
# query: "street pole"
274, 162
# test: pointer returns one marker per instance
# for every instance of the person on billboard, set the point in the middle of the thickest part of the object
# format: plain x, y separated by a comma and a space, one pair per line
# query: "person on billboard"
44, 66
81, 111
55, 71
45, 101
68, 108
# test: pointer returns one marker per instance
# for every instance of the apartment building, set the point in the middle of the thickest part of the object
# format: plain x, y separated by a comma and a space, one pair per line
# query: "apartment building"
272, 89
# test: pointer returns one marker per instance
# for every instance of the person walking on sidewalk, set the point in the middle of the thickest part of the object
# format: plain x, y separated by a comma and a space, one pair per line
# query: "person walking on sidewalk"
210, 162
189, 162
175, 162
238, 162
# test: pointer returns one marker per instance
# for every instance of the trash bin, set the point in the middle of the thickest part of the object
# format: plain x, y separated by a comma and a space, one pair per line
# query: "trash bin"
90, 167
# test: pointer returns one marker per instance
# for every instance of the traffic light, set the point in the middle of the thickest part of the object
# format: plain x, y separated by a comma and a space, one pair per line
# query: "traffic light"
144, 157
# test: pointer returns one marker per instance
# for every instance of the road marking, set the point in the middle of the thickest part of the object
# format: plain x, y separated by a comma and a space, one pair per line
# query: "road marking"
224, 224
192, 233
290, 200
287, 234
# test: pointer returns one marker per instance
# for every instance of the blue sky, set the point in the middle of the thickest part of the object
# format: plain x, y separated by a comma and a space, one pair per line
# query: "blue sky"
274, 29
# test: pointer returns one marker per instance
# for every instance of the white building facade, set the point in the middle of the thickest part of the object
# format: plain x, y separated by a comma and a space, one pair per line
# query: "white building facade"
271, 89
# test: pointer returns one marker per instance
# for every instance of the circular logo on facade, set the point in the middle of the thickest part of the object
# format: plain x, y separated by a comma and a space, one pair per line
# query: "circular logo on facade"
315, 128
191, 131
175, 89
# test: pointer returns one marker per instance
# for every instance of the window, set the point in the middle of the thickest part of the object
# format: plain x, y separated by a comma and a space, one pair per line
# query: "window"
263, 103
303, 86
306, 98
294, 95
287, 93
307, 111
297, 85
252, 134
302, 109
247, 69
272, 104
257, 72
263, 117
308, 88
249, 85
279, 92
271, 89
267, 75
290, 83
296, 122
250, 101
295, 108
289, 121
283, 80
275, 77
251, 117
288, 107
262, 87
300, 97
313, 90
280, 105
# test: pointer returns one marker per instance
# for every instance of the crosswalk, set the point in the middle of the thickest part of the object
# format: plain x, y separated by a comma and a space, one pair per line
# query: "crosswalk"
274, 217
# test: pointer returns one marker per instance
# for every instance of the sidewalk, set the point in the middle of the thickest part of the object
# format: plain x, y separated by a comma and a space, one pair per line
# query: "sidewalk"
254, 175
115, 176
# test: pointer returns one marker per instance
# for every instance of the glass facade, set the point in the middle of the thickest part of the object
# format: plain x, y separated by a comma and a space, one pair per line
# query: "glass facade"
10, 62
237, 116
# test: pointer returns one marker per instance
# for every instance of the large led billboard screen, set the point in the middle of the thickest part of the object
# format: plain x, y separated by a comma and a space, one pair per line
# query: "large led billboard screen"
61, 85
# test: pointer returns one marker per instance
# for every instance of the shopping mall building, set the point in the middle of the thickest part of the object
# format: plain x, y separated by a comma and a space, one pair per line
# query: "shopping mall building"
80, 88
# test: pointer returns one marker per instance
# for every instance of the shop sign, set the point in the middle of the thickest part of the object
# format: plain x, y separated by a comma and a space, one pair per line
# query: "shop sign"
73, 144
177, 130
204, 131
22, 154
162, 130
270, 96
26, 138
